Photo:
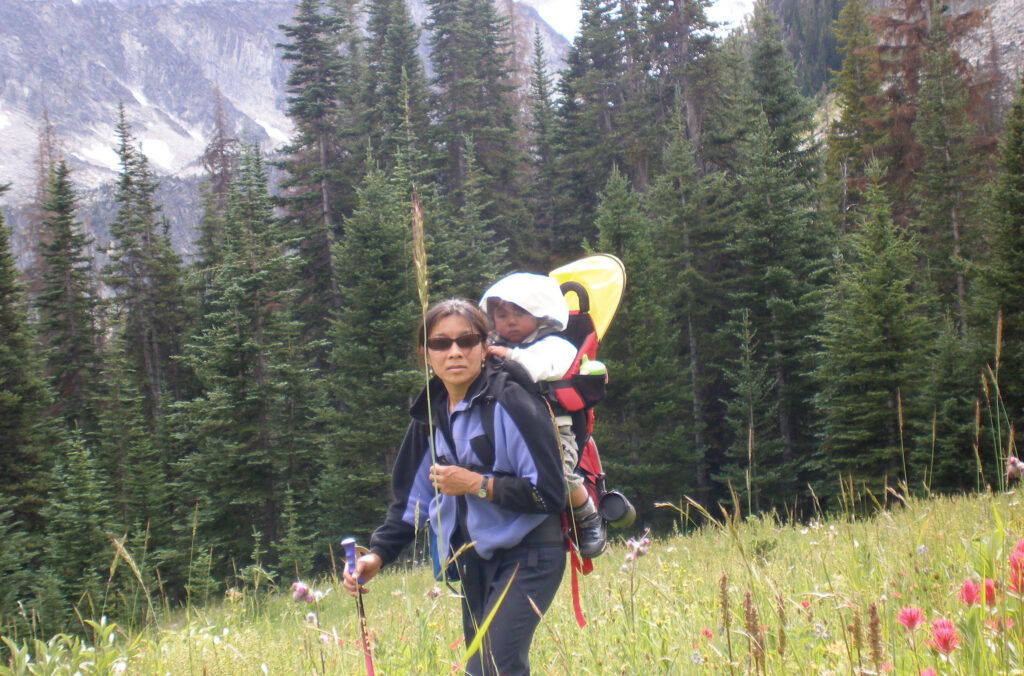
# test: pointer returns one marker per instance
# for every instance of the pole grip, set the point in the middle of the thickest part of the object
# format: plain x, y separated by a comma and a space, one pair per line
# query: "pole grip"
350, 555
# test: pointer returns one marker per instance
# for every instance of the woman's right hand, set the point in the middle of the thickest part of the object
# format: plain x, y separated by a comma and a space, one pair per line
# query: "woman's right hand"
367, 566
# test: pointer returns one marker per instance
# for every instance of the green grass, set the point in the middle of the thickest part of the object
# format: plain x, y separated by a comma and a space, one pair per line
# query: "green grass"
811, 587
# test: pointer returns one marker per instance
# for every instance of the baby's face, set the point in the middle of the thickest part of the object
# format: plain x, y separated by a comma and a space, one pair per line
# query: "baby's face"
513, 323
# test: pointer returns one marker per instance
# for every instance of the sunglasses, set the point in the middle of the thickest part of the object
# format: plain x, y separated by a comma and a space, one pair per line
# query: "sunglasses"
444, 343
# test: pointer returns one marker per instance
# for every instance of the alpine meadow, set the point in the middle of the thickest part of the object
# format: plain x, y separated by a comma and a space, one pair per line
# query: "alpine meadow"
814, 375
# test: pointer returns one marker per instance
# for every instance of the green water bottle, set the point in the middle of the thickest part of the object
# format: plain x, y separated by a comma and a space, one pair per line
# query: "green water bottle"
593, 367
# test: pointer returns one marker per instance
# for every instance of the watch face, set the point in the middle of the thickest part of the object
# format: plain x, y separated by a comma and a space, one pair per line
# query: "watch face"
481, 493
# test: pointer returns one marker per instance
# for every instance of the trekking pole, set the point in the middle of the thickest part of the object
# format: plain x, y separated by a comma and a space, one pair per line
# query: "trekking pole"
350, 555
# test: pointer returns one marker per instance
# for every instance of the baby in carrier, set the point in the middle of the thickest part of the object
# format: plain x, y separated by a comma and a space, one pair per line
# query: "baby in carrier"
526, 312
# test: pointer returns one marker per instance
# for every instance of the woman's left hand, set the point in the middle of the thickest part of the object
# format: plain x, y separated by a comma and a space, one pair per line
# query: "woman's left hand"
454, 480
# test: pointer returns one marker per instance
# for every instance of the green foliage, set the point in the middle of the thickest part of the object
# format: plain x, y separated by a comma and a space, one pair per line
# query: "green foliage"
876, 338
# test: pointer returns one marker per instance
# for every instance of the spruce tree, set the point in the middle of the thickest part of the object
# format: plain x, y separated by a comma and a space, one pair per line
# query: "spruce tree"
67, 306
316, 193
78, 517
875, 338
470, 49
24, 397
542, 197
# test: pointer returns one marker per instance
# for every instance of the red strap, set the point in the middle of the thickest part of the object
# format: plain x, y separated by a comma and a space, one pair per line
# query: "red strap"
576, 563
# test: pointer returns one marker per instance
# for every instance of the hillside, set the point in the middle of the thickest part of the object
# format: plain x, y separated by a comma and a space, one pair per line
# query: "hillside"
75, 60
930, 585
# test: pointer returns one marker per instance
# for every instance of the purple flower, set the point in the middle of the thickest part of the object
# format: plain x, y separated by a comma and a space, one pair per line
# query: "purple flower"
300, 592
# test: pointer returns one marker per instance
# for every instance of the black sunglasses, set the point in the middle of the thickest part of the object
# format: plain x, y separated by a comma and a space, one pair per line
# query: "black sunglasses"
444, 343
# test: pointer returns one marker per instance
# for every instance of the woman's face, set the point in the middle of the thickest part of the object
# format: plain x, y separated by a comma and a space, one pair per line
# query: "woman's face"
457, 367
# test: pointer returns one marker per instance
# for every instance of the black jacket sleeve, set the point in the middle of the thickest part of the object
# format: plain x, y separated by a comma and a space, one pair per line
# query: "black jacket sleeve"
392, 535
533, 419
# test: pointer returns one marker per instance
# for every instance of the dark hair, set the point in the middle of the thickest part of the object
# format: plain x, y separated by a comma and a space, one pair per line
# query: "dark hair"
446, 308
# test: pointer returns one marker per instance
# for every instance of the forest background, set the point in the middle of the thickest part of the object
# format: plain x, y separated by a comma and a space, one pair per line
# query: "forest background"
825, 285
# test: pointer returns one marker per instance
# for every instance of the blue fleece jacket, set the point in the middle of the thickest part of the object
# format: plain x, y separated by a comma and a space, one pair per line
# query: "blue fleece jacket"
528, 482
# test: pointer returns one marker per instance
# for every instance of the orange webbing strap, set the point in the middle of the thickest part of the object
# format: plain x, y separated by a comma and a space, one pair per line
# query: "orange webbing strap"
576, 563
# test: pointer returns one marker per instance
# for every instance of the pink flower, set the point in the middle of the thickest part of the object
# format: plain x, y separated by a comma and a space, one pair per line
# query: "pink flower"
805, 603
300, 592
990, 591
1014, 468
910, 617
1016, 581
928, 671
969, 592
707, 633
944, 638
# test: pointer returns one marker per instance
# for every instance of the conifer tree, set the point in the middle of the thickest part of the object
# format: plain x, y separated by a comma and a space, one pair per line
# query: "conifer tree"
780, 278
788, 113
690, 212
24, 398
642, 442
470, 46
589, 94
77, 518
145, 274
543, 154
945, 189
67, 306
875, 338
1003, 270
323, 92
15, 570
374, 373
246, 429
852, 139
218, 161
396, 86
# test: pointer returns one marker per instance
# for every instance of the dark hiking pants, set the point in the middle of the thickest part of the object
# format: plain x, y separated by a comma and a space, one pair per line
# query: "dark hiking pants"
538, 563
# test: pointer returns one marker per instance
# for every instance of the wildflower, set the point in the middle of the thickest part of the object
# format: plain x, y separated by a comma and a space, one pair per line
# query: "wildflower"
433, 592
311, 618
696, 658
990, 591
944, 638
300, 592
969, 592
928, 671
910, 617
706, 633
1014, 468
921, 550
805, 603
1016, 583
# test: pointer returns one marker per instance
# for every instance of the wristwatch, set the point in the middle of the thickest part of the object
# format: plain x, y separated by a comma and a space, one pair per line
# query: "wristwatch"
482, 491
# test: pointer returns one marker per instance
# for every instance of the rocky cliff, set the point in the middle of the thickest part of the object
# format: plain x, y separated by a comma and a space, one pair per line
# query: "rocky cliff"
74, 60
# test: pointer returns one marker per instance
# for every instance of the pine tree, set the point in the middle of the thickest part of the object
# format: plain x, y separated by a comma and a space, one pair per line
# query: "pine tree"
374, 373
145, 274
874, 341
218, 161
543, 152
67, 306
77, 518
15, 570
788, 113
589, 94
24, 398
